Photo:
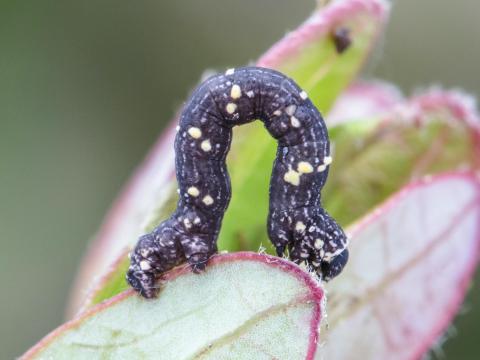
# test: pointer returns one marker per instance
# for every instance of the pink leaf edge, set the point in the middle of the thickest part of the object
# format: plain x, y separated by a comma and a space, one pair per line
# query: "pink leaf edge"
319, 24
315, 296
158, 168
364, 99
461, 106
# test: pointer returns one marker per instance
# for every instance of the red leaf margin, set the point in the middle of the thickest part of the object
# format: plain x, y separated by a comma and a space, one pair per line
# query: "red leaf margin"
460, 105
320, 23
365, 100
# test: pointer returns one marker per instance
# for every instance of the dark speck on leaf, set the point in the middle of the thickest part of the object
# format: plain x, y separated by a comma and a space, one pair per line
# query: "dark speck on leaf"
341, 38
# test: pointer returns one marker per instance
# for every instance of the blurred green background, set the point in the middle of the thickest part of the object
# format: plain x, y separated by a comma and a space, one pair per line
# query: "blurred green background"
87, 86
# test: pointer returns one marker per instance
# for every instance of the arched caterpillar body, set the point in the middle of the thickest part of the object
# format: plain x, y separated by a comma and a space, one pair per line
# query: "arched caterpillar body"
296, 219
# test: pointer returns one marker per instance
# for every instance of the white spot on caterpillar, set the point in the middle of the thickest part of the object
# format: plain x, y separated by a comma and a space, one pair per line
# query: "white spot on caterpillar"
144, 253
304, 95
292, 177
235, 92
231, 107
205, 145
196, 220
230, 71
187, 223
207, 200
300, 226
327, 160
304, 255
294, 121
290, 110
329, 256
304, 167
277, 112
321, 168
318, 244
195, 132
144, 265
177, 128
193, 191
250, 94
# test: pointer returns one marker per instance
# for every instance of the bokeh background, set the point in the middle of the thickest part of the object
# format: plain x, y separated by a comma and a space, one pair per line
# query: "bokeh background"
87, 86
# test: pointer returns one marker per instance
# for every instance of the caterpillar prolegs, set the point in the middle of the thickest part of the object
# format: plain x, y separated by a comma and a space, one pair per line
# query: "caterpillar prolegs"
296, 220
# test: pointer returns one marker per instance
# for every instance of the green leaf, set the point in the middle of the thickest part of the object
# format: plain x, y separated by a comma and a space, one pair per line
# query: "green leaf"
374, 158
244, 306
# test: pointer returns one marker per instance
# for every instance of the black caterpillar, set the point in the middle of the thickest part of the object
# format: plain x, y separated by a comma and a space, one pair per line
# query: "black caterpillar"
296, 219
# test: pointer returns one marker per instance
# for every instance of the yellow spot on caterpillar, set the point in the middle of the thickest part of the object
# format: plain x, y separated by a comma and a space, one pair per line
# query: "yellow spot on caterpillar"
207, 200
294, 121
292, 177
304, 95
195, 132
300, 226
230, 71
144, 265
304, 167
327, 160
236, 92
231, 107
192, 190
318, 244
290, 110
205, 145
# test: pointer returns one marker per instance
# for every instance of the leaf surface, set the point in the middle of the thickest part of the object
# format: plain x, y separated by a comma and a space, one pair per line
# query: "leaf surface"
244, 306
411, 263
